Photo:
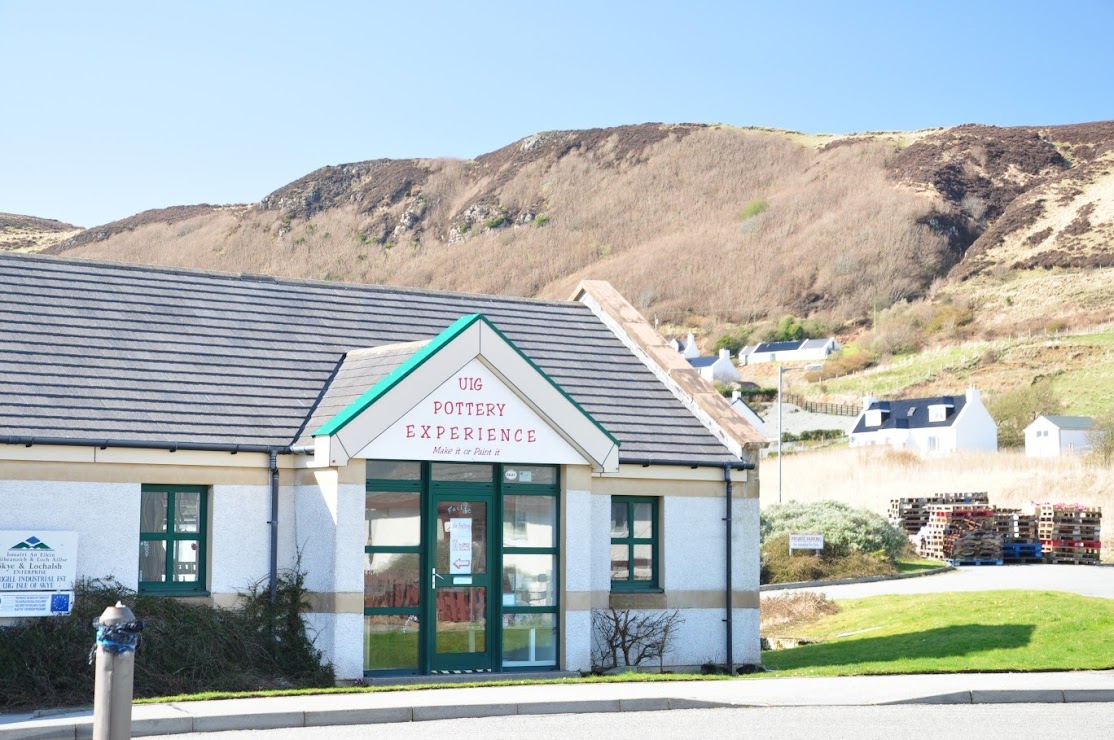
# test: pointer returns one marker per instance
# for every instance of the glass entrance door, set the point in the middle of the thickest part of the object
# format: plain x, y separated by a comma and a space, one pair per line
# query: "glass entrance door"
460, 610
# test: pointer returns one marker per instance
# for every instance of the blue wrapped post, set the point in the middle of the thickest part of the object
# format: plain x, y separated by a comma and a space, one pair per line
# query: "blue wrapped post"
117, 637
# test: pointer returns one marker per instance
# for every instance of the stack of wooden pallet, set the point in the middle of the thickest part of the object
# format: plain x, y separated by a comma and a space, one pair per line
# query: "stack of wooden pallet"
962, 534
1069, 533
911, 514
1019, 536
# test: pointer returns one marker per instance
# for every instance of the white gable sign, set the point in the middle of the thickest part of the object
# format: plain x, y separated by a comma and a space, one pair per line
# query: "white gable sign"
472, 417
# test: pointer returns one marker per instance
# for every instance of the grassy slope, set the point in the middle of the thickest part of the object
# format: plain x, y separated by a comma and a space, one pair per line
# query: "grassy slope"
1080, 367
946, 633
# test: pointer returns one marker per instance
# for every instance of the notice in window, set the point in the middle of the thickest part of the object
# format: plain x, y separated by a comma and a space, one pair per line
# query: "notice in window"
460, 545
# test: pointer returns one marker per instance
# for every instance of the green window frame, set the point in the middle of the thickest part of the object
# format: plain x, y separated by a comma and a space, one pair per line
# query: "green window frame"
626, 572
175, 530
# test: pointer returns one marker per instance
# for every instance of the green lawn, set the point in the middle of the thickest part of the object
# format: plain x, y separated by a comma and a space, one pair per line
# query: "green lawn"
957, 632
917, 565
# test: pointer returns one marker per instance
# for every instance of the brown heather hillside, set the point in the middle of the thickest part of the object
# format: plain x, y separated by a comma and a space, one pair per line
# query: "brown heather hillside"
696, 224
30, 234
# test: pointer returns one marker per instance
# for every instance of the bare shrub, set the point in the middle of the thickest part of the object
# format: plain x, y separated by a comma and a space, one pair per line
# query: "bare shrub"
630, 638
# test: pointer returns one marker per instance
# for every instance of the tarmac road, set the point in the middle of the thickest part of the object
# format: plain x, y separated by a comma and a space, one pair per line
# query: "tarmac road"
1086, 580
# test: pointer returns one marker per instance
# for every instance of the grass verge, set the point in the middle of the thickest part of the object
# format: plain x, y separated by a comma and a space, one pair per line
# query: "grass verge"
955, 633
917, 565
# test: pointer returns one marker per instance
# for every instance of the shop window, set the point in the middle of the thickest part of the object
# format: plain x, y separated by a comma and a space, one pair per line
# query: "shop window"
173, 527
634, 543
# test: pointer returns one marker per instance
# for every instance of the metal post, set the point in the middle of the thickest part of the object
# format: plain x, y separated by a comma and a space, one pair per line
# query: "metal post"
780, 370
117, 635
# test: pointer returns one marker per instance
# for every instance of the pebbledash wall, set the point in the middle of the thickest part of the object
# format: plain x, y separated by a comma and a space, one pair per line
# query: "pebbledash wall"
95, 489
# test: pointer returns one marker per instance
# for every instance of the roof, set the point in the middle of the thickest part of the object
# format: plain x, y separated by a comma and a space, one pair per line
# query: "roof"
1082, 423
703, 361
911, 413
122, 352
790, 346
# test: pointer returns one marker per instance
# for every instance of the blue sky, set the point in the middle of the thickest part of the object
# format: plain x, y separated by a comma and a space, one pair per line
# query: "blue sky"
111, 108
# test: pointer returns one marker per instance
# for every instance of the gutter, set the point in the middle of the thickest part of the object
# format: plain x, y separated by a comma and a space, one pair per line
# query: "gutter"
648, 461
271, 451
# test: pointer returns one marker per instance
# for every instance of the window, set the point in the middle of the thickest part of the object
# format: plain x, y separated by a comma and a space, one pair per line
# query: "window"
634, 543
173, 526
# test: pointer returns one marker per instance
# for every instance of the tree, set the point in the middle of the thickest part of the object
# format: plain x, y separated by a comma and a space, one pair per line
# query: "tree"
1101, 437
1017, 409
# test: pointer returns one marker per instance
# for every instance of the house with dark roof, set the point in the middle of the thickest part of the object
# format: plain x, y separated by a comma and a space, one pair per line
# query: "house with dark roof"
927, 425
714, 368
802, 350
1053, 436
461, 489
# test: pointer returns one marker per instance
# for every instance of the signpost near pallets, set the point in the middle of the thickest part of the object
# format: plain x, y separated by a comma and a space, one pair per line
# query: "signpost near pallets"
813, 542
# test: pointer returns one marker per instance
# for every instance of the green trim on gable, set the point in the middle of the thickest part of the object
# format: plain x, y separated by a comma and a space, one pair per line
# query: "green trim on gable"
373, 394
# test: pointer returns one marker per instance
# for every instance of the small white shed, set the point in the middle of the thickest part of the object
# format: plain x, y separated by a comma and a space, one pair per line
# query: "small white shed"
1052, 436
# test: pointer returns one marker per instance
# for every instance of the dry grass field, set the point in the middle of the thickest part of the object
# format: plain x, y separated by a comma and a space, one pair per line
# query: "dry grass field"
871, 477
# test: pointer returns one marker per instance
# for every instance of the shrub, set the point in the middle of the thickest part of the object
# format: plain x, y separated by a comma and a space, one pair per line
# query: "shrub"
845, 529
735, 340
541, 220
779, 567
790, 328
184, 648
753, 208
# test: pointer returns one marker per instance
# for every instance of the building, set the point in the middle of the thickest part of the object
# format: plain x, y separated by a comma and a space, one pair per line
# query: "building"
802, 350
461, 490
718, 369
927, 425
1052, 436
750, 415
714, 369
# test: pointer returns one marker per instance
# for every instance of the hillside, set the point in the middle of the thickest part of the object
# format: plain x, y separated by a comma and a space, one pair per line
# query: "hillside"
31, 234
698, 225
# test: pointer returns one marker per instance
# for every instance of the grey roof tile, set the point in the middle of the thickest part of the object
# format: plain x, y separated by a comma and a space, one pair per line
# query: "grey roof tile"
103, 351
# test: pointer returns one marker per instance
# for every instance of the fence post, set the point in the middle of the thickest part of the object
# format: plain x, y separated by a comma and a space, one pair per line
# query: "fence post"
117, 636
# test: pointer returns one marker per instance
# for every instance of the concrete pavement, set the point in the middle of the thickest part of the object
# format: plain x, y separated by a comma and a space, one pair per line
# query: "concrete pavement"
430, 704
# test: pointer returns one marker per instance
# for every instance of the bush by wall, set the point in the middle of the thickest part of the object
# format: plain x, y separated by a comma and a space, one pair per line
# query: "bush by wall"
845, 528
778, 566
184, 648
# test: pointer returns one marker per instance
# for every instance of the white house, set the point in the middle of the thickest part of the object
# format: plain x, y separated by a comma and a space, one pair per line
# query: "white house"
801, 350
1052, 436
749, 414
927, 425
718, 369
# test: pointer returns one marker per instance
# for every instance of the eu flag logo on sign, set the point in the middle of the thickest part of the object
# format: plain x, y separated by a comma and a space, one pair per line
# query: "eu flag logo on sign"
59, 603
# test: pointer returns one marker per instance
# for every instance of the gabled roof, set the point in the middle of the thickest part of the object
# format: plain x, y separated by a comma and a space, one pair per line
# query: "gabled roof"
912, 413
1080, 423
815, 343
703, 361
94, 350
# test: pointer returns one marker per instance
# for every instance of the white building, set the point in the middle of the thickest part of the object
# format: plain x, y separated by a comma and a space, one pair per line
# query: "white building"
462, 494
1052, 436
752, 418
802, 350
716, 369
927, 425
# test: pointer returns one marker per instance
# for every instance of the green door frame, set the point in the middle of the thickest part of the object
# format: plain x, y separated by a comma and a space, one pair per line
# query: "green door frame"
492, 493
435, 581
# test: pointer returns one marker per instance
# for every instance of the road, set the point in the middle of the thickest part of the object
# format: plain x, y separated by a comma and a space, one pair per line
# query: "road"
986, 721
1086, 580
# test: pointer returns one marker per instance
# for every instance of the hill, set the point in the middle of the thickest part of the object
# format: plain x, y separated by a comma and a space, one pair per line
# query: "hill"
699, 225
31, 234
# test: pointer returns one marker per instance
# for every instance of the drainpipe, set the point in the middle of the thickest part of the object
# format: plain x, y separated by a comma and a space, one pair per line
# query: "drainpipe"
730, 663
273, 464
